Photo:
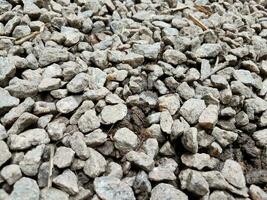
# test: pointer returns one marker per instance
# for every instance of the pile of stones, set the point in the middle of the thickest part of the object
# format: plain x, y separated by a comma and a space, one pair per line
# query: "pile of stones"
133, 99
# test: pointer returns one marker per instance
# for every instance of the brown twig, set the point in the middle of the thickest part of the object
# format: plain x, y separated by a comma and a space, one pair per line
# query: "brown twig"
197, 22
7, 37
216, 68
179, 7
51, 165
28, 37
203, 9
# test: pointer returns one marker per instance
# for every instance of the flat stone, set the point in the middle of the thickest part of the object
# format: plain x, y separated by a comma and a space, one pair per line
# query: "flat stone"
125, 140
114, 113
199, 161
68, 104
244, 76
150, 51
192, 109
51, 55
208, 50
167, 191
109, 188
233, 173
48, 84
25, 189
3, 132
67, 181
88, 121
140, 159
95, 165
63, 157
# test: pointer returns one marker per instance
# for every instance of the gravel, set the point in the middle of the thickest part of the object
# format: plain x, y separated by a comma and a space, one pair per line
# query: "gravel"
133, 99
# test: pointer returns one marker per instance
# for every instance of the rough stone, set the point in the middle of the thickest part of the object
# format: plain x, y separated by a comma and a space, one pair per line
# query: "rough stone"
25, 189
125, 140
63, 157
67, 181
192, 109
108, 187
114, 113
167, 191
140, 159
233, 173
95, 165
88, 121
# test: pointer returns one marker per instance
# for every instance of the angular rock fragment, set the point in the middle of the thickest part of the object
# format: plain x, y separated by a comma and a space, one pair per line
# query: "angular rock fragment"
189, 140
95, 165
233, 173
63, 157
192, 109
67, 181
141, 160
88, 121
112, 114
25, 189
68, 104
125, 139
167, 191
150, 51
199, 161
224, 137
32, 160
209, 117
11, 173
51, 55
110, 188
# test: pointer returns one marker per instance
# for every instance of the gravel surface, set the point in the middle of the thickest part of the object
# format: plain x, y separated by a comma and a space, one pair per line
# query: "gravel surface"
133, 99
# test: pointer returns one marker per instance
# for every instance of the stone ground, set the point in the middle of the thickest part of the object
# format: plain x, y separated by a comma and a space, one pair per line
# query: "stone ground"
133, 99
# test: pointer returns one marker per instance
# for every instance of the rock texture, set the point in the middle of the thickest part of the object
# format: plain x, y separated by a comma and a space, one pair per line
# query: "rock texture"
133, 100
